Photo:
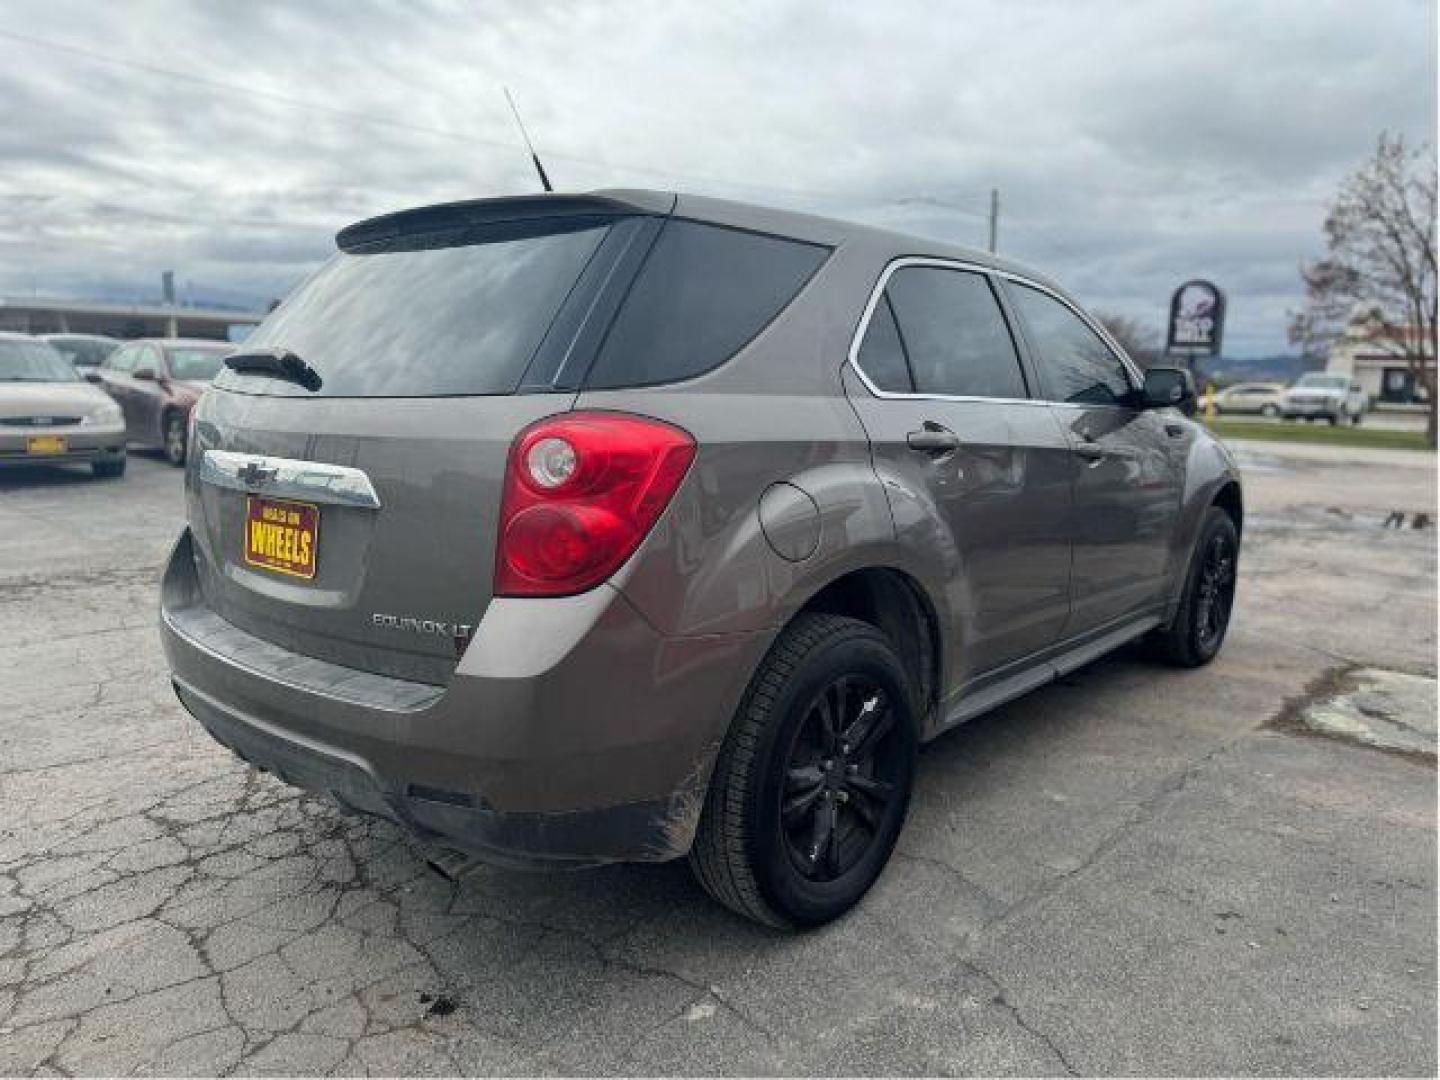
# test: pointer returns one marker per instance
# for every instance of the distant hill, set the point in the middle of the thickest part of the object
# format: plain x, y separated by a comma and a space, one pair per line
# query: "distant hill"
1282, 368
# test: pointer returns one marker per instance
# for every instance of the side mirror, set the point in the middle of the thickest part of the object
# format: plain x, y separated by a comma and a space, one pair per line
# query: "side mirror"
144, 374
1168, 387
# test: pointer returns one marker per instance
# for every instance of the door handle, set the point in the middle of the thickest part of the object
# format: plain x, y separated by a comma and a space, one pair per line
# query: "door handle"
1088, 448
1174, 430
934, 440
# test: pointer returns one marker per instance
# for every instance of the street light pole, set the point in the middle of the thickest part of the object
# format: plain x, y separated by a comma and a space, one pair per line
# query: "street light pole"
994, 218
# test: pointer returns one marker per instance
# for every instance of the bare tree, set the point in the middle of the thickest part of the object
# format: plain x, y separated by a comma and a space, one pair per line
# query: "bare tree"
1378, 272
1138, 338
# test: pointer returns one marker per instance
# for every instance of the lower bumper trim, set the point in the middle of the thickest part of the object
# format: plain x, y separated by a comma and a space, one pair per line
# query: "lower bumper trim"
635, 832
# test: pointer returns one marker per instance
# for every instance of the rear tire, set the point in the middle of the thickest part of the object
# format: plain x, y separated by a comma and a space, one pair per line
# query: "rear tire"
108, 470
1195, 635
813, 782
1269, 412
175, 439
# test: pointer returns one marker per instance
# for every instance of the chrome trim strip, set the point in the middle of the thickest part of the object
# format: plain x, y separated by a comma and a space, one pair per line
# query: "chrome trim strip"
853, 356
289, 478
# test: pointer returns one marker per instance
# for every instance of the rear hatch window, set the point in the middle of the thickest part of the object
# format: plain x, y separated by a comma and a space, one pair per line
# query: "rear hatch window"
432, 318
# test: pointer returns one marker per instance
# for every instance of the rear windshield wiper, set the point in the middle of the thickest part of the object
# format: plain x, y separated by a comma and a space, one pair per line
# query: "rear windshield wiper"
277, 362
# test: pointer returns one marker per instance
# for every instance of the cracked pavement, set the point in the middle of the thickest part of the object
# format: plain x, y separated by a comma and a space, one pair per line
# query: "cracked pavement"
1131, 871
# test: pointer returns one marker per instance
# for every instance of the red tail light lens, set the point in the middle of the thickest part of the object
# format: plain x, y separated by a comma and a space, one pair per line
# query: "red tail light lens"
581, 492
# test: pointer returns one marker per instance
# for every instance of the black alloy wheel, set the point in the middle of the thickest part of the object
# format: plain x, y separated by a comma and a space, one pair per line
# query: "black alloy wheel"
844, 768
813, 781
1215, 591
1198, 629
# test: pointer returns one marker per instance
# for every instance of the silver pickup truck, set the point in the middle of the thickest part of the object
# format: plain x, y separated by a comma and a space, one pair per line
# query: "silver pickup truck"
1319, 396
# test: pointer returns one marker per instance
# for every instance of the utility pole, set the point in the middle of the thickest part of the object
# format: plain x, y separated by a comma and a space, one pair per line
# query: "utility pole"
994, 218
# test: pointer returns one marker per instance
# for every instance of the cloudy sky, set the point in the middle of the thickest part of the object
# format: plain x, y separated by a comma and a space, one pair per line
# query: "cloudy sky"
1134, 144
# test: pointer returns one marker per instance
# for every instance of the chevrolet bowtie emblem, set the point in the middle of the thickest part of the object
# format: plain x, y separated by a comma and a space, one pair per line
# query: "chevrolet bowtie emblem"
253, 474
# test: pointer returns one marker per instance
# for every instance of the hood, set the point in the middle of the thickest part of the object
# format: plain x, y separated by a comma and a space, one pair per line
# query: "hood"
50, 398
1303, 392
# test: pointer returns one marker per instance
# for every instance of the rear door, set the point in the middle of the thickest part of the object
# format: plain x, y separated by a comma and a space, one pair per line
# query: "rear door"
1131, 462
356, 520
949, 415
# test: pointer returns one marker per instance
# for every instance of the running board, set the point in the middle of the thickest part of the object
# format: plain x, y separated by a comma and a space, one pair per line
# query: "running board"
993, 694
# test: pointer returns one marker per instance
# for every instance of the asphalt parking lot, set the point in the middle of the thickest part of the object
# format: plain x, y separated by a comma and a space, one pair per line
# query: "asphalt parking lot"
1137, 870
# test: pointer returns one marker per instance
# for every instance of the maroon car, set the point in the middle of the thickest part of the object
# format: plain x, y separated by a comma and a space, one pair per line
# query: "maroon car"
156, 382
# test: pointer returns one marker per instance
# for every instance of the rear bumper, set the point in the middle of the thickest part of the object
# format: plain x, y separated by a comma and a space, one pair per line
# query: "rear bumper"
569, 733
82, 443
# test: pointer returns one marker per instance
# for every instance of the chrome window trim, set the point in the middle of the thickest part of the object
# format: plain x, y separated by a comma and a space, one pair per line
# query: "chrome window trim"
289, 478
853, 356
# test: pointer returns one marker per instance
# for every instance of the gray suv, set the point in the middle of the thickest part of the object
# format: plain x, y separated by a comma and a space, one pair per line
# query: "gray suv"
574, 529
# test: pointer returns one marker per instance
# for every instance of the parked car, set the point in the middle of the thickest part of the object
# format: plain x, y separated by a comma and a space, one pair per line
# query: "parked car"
1320, 396
156, 383
85, 352
50, 415
1258, 398
580, 528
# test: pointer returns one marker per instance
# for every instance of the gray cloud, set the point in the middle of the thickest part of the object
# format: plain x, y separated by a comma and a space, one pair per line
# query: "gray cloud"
1134, 145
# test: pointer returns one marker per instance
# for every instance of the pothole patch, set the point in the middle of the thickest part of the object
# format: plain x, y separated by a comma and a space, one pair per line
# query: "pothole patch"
1386, 710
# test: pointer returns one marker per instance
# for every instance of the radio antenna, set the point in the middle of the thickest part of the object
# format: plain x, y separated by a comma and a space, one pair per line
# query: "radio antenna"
544, 180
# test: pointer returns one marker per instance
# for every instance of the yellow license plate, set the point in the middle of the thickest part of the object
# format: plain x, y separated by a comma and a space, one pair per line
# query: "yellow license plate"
282, 536
45, 444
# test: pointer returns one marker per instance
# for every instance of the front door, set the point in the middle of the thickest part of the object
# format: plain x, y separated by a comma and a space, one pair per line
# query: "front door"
978, 475
1130, 464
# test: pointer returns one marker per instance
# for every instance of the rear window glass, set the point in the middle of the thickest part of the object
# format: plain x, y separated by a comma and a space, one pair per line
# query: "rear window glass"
705, 291
424, 322
195, 364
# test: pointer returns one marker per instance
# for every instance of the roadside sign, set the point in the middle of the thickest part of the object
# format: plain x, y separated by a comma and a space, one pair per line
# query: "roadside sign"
1197, 319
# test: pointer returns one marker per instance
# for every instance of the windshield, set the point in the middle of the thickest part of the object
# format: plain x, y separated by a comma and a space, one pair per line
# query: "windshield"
196, 363
1324, 382
33, 361
88, 352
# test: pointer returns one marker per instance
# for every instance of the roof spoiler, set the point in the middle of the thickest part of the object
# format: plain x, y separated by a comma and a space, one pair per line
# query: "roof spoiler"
444, 217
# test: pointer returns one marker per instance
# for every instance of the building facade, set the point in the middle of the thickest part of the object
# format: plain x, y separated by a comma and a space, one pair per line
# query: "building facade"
35, 316
1371, 356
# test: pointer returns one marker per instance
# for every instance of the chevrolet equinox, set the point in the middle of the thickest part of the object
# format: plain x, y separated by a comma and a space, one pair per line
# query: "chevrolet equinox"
573, 529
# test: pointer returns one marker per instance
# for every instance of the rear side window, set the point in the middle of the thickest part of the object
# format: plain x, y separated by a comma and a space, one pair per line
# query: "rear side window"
953, 334
1076, 365
704, 292
882, 355
425, 321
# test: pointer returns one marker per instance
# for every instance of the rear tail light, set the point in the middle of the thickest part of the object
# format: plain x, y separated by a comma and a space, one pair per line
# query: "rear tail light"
581, 491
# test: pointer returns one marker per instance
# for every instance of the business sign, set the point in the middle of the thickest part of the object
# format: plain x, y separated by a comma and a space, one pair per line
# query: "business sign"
1197, 319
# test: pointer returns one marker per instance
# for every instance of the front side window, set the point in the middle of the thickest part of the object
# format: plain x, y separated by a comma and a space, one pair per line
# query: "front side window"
123, 358
1076, 365
941, 332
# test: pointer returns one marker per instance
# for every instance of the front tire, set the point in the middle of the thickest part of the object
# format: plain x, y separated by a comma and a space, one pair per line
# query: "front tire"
813, 782
109, 470
1194, 637
174, 439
